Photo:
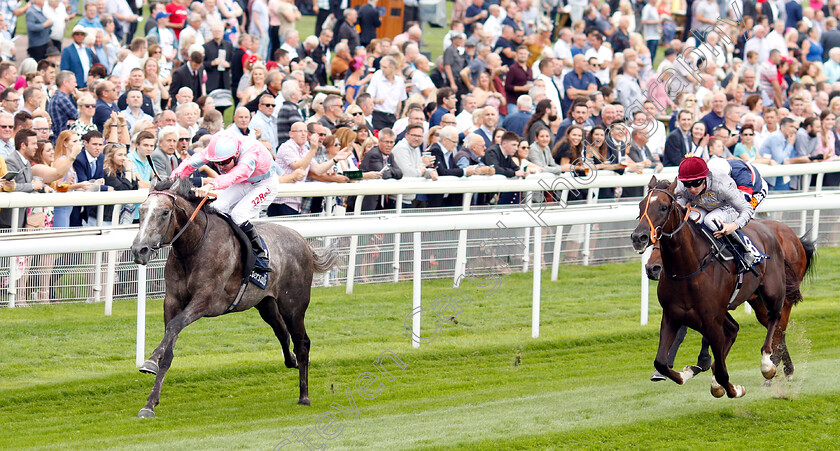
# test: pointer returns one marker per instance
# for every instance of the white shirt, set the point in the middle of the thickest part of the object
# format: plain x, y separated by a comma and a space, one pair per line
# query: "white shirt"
167, 42
493, 27
773, 41
464, 121
550, 91
420, 81
83, 57
393, 92
130, 62
58, 16
292, 51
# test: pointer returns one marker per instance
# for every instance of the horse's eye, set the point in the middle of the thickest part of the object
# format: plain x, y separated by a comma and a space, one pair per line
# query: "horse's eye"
165, 213
663, 208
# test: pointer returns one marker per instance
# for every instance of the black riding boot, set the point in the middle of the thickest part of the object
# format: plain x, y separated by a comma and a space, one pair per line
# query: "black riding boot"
749, 257
251, 232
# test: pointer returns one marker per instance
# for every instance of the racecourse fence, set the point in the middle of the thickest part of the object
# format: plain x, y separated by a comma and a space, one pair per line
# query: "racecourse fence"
380, 257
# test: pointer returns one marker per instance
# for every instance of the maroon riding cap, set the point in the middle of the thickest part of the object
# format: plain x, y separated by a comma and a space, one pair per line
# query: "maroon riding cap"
692, 168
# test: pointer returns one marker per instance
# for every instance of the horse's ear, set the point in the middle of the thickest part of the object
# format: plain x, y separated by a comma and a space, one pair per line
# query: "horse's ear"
652, 182
673, 186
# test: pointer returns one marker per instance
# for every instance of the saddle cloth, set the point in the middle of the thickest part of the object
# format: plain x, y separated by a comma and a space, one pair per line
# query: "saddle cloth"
249, 257
736, 249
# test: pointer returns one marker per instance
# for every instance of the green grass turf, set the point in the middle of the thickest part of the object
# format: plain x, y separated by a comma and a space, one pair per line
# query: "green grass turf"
69, 379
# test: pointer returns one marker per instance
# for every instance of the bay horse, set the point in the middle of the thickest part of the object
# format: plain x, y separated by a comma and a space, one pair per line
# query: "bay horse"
799, 254
697, 291
204, 272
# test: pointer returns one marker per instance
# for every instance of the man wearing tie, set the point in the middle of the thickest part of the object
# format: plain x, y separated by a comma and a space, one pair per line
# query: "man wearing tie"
164, 158
88, 166
379, 159
444, 152
678, 143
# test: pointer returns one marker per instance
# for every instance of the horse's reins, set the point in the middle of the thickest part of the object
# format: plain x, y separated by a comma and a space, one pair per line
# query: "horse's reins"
657, 230
189, 221
707, 260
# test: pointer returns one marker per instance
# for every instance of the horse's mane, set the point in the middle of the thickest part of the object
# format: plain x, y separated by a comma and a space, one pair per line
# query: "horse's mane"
183, 190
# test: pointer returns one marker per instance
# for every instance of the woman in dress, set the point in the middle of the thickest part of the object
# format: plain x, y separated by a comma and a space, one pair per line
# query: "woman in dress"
812, 50
485, 89
358, 78
257, 86
87, 108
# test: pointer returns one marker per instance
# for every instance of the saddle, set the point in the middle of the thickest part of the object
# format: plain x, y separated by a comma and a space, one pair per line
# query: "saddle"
727, 248
249, 258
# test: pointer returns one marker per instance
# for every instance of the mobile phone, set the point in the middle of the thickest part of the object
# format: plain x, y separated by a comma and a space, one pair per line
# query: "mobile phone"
11, 175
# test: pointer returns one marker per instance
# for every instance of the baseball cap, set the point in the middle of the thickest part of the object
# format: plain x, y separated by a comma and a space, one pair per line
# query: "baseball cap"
79, 29
161, 15
471, 42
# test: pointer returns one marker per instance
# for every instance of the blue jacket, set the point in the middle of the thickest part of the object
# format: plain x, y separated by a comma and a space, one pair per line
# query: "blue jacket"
38, 33
70, 61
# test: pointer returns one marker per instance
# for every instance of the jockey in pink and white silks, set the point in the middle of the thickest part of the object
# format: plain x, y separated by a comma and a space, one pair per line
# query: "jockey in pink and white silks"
248, 181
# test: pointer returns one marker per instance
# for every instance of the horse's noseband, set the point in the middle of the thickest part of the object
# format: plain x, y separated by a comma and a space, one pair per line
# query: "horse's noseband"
183, 229
656, 232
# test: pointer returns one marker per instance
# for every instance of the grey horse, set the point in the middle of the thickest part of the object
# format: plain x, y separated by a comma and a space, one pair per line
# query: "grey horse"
204, 272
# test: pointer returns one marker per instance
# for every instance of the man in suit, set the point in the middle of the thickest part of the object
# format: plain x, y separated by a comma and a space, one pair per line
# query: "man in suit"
500, 158
188, 76
89, 167
377, 159
217, 68
369, 21
444, 152
25, 142
77, 58
679, 143
164, 157
106, 97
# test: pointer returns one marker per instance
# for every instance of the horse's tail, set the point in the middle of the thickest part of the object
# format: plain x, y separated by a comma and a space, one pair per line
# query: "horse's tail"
810, 254
792, 279
324, 259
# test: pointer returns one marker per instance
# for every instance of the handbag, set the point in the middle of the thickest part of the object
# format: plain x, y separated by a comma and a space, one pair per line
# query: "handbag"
36, 218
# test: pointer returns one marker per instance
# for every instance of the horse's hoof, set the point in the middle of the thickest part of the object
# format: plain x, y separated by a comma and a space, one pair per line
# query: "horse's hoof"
768, 369
149, 367
717, 391
768, 383
291, 363
304, 402
145, 412
740, 391
769, 373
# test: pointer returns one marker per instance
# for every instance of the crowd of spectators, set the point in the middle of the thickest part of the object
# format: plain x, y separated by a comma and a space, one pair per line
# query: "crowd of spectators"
521, 87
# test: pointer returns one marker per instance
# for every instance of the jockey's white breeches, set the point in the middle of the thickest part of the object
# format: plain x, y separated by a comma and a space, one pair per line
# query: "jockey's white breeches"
244, 201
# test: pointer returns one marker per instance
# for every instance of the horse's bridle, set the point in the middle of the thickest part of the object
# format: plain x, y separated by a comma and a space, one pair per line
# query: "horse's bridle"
184, 228
656, 232
707, 260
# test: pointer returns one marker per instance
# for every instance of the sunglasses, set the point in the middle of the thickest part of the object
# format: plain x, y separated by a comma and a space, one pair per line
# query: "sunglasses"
357, 114
693, 183
87, 105
7, 127
746, 134
227, 162
184, 140
268, 104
